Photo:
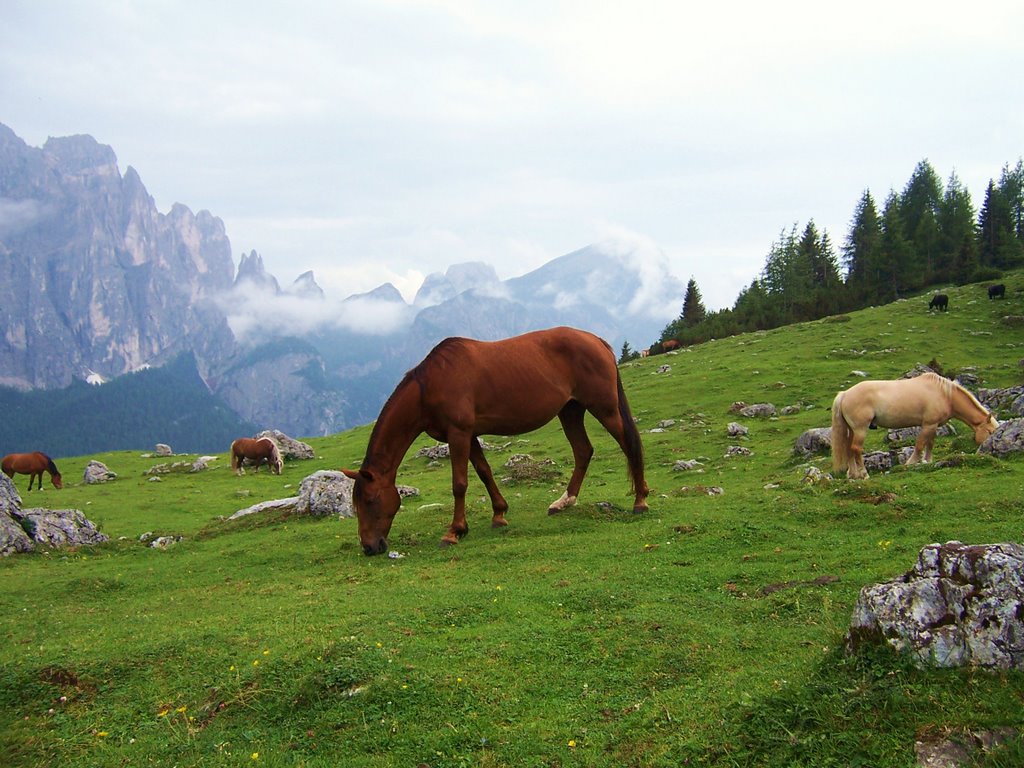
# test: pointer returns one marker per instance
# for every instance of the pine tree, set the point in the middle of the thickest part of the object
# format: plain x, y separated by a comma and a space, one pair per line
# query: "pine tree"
693, 308
918, 207
958, 249
896, 264
862, 251
627, 353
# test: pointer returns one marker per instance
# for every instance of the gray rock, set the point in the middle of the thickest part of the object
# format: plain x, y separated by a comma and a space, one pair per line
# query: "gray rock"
60, 527
960, 605
736, 430
759, 411
1007, 439
814, 441
436, 452
814, 476
790, 410
910, 433
97, 472
163, 450
290, 448
13, 538
164, 542
327, 492
684, 465
263, 506
737, 450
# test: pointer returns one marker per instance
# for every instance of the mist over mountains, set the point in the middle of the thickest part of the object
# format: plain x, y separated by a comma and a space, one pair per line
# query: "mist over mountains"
95, 283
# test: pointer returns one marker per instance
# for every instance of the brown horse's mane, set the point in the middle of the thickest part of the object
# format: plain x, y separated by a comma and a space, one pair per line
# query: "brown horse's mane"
50, 466
444, 350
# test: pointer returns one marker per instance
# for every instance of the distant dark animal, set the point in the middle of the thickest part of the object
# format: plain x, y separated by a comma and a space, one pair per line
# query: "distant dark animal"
33, 465
997, 291
258, 451
940, 301
463, 389
927, 401
669, 345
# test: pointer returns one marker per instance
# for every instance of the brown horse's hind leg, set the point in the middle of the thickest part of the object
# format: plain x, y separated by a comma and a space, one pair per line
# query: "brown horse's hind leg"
459, 452
571, 417
629, 441
483, 471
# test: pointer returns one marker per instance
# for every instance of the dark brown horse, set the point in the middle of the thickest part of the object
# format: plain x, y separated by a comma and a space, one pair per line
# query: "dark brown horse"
33, 465
258, 451
464, 389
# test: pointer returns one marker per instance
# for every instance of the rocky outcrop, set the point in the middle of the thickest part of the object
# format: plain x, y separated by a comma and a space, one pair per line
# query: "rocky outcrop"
60, 527
290, 448
324, 493
960, 605
13, 538
93, 269
1007, 439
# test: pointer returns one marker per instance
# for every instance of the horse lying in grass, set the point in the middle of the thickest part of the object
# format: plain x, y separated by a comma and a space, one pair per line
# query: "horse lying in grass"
464, 389
33, 465
258, 451
928, 401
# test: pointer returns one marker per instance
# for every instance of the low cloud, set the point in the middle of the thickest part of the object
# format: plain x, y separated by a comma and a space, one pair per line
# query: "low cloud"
18, 215
256, 315
660, 295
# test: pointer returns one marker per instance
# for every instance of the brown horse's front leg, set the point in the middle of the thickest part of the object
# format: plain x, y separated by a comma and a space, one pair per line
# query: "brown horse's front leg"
459, 452
483, 471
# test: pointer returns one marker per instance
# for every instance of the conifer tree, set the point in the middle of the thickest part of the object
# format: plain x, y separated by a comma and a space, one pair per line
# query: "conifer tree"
862, 251
693, 307
958, 249
918, 207
896, 264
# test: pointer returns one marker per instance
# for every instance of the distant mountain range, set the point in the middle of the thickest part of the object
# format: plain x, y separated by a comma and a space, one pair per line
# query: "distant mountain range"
95, 283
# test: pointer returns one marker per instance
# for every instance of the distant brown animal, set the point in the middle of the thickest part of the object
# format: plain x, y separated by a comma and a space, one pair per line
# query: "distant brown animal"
258, 451
33, 465
997, 291
669, 345
466, 388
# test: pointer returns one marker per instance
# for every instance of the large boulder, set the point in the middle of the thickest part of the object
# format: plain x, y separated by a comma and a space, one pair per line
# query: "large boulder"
1007, 401
327, 492
960, 605
12, 536
60, 527
97, 472
759, 411
1007, 439
289, 447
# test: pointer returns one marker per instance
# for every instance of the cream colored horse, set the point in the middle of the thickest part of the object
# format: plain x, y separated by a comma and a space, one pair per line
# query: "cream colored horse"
927, 401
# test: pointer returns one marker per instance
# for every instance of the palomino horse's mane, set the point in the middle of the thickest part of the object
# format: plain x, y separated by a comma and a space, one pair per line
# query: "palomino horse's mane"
949, 386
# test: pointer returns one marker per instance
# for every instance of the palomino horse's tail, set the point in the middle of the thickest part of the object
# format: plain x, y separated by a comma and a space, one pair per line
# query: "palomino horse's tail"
275, 457
632, 446
842, 436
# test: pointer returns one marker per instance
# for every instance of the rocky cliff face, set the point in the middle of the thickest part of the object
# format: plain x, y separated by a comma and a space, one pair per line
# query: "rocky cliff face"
96, 279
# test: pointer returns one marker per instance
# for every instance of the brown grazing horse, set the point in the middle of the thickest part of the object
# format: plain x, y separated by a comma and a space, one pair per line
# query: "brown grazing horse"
464, 389
263, 449
928, 401
33, 465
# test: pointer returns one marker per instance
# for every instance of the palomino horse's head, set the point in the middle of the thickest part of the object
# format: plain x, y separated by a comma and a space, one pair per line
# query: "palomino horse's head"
55, 479
376, 501
983, 431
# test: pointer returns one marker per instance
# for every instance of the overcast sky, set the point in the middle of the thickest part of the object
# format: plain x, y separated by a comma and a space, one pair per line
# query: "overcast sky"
382, 140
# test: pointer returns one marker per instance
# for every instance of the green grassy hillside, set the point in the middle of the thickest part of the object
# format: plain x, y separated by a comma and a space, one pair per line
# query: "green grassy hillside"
706, 632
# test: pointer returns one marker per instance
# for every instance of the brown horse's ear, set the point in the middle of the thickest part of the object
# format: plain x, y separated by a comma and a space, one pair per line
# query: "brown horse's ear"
350, 474
362, 473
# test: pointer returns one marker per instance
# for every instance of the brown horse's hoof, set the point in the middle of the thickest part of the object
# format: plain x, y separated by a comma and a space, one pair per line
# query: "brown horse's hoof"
639, 510
498, 521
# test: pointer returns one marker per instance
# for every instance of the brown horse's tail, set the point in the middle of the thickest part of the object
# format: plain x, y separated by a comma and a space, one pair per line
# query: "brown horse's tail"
842, 436
631, 444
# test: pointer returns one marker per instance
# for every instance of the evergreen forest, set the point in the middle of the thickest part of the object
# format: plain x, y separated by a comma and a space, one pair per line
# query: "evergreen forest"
927, 235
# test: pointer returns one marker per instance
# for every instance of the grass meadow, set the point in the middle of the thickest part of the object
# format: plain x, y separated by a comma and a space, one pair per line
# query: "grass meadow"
707, 632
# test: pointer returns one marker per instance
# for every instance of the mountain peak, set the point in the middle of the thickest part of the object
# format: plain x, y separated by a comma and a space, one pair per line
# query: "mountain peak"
251, 272
306, 287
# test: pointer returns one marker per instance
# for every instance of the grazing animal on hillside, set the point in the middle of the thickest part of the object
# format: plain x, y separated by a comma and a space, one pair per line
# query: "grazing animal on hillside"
670, 344
997, 291
928, 401
464, 388
258, 451
939, 301
33, 465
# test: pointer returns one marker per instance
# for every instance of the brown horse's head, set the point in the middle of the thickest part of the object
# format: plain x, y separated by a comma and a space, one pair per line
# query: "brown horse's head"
376, 502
